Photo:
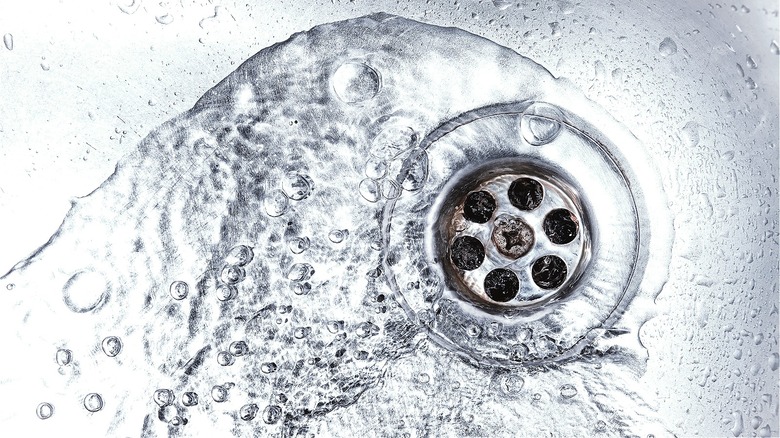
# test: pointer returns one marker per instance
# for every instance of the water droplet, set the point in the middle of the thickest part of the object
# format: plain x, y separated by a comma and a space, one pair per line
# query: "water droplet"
268, 367
502, 4
301, 332
240, 255
63, 357
376, 168
772, 48
44, 410
297, 186
338, 236
226, 292
750, 62
369, 190
130, 7
511, 384
765, 431
164, 19
298, 245
93, 402
355, 82
45, 66
418, 171
276, 203
667, 47
179, 290
272, 414
85, 291
300, 272
189, 399
111, 345
248, 412
163, 397
225, 359
774, 361
8, 40
568, 390
238, 348
750, 84
537, 396
219, 393
232, 274
301, 288
756, 421
540, 124
690, 134
555, 28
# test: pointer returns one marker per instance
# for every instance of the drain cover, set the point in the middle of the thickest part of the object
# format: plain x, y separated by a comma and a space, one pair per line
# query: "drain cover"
523, 239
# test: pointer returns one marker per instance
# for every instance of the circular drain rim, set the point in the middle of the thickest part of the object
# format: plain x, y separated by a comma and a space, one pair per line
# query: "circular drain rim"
640, 258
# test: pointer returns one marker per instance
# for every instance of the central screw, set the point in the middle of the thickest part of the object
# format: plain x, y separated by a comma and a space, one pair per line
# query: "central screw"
512, 236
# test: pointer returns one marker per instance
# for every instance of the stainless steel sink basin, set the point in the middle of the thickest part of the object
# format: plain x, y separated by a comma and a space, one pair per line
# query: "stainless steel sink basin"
563, 218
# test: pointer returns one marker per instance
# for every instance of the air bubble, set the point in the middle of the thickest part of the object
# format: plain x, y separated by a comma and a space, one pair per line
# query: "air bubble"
276, 203
272, 414
297, 186
268, 368
338, 236
226, 292
549, 272
560, 226
301, 332
369, 190
248, 412
467, 253
366, 329
298, 245
540, 124
163, 397
63, 357
667, 47
189, 399
479, 207
568, 391
93, 402
355, 82
111, 345
240, 255
85, 291
225, 359
238, 348
391, 142
44, 411
179, 290
232, 274
300, 272
219, 393
301, 288
501, 285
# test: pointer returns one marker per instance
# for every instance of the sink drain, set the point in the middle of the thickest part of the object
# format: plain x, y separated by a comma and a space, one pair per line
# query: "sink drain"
524, 239
517, 238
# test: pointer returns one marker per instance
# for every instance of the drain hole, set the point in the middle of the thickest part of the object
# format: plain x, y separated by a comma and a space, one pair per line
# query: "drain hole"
501, 285
525, 193
549, 272
512, 237
467, 253
560, 225
479, 207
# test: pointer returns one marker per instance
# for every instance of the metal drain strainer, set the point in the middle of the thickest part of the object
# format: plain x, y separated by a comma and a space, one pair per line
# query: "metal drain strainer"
523, 239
